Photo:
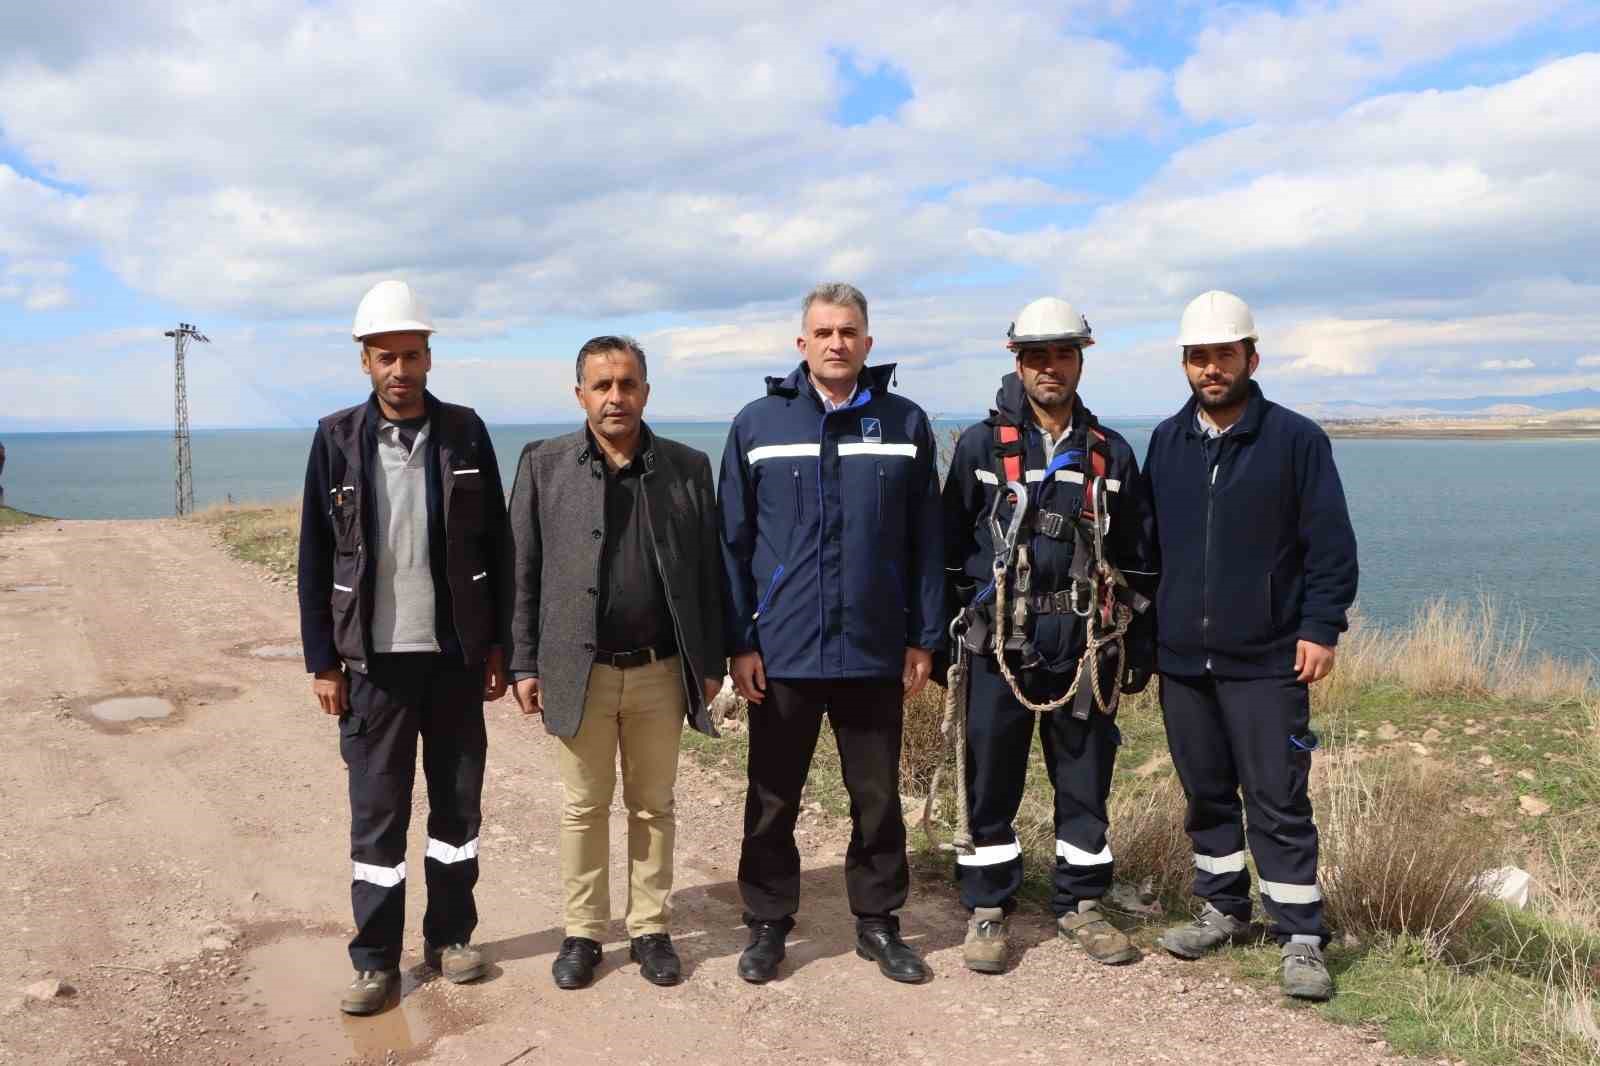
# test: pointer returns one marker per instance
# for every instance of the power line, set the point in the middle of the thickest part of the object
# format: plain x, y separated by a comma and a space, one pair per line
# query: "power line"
183, 489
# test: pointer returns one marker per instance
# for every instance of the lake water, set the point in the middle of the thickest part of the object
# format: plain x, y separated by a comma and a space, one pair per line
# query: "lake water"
1519, 519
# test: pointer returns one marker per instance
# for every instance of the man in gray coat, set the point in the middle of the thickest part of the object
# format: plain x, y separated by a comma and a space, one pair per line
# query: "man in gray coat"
616, 635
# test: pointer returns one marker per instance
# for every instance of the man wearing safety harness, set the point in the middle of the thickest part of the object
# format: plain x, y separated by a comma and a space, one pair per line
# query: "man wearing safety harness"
1047, 542
829, 500
1258, 570
400, 542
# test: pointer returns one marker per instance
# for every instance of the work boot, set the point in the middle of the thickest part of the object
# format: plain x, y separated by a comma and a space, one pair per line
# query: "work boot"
985, 948
758, 964
459, 963
369, 992
1206, 933
1304, 974
1103, 942
658, 961
897, 960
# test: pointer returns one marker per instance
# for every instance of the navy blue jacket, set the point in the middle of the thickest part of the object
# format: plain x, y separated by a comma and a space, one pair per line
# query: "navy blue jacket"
969, 492
831, 531
1256, 548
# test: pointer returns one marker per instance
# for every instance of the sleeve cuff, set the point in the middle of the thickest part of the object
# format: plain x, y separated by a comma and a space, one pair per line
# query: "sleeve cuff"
522, 675
1319, 633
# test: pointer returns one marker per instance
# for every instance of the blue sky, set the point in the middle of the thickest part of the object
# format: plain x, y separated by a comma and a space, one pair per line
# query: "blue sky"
1403, 194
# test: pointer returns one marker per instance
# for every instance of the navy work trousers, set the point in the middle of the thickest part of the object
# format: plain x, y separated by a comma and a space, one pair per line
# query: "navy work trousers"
1249, 736
1079, 756
399, 699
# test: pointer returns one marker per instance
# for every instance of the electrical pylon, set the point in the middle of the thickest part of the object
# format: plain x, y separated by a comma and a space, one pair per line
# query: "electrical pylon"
183, 488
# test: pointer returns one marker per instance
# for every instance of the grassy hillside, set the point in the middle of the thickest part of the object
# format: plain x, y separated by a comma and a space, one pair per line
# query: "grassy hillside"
14, 519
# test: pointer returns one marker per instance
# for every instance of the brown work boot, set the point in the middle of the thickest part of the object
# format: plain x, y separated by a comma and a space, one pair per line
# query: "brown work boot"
370, 991
985, 949
459, 963
1102, 941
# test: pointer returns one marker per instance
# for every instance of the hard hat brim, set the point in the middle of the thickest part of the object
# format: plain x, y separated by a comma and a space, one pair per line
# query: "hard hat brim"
403, 326
1082, 340
1190, 340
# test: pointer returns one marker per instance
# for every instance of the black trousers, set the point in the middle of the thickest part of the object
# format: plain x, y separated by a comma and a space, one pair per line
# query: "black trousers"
1079, 756
401, 698
1249, 736
866, 716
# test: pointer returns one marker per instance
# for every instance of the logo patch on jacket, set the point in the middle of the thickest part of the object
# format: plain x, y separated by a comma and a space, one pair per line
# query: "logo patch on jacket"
871, 431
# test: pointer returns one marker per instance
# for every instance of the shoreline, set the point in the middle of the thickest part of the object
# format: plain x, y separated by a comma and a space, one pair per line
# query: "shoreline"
1462, 429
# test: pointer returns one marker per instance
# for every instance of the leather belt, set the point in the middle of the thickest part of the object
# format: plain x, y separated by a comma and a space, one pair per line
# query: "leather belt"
1055, 603
627, 660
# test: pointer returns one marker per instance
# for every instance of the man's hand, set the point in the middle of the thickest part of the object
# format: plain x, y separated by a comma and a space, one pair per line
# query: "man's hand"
711, 689
750, 676
494, 675
1312, 662
919, 664
332, 690
529, 694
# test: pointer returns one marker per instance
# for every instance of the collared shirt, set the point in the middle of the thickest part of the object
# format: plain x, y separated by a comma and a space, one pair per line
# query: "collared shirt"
403, 596
1208, 428
829, 405
633, 604
1052, 443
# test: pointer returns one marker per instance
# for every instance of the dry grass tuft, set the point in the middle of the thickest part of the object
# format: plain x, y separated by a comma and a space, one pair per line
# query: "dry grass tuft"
1398, 856
1152, 850
922, 746
1477, 649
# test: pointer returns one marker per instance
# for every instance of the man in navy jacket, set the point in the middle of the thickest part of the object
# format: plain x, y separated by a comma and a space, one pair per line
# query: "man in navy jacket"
829, 503
1258, 569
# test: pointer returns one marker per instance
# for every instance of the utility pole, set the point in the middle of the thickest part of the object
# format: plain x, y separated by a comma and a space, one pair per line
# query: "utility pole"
184, 486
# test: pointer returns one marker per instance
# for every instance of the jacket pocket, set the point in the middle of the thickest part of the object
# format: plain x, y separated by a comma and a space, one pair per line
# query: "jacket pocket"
883, 478
1272, 604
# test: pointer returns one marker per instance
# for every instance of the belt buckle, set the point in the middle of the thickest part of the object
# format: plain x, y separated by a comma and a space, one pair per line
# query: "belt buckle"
1050, 523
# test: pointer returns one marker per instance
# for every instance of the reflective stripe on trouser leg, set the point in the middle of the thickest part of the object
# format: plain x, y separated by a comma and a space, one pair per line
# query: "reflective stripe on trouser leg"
454, 746
1260, 716
999, 735
378, 740
1214, 820
1080, 755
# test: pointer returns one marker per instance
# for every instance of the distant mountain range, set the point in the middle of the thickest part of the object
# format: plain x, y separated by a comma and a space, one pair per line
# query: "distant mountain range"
1575, 400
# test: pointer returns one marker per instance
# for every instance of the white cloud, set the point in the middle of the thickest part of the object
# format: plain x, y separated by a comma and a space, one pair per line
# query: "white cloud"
1506, 364
1259, 62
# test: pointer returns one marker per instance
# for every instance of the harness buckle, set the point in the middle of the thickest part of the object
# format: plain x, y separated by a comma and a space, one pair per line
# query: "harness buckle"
1050, 523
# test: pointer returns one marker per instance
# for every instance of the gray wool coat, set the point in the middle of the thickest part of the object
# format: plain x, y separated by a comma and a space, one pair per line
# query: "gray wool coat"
557, 516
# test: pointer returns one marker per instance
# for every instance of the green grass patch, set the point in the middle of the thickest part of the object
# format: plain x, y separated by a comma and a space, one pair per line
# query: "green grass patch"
266, 535
10, 518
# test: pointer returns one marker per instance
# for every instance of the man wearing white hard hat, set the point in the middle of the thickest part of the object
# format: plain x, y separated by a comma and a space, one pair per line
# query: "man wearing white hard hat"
401, 535
1047, 543
1258, 572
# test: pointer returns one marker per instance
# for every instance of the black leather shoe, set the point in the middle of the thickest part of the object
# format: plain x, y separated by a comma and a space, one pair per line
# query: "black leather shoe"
575, 962
658, 961
759, 962
895, 958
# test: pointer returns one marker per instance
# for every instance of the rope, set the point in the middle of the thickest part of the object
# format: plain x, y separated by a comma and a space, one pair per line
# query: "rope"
1094, 641
953, 728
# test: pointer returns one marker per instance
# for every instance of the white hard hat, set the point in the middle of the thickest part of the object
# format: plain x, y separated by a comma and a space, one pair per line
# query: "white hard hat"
1216, 317
391, 307
1050, 319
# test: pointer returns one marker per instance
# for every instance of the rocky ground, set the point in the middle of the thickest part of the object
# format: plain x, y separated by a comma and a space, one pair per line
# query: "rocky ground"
174, 888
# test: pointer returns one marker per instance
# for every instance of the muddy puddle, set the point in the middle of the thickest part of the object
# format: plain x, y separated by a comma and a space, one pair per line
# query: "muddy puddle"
292, 988
122, 709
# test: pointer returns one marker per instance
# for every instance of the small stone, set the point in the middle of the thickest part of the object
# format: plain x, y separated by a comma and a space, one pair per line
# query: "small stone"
1533, 806
1485, 760
48, 989
215, 943
1387, 731
1432, 736
1418, 750
716, 801
1525, 775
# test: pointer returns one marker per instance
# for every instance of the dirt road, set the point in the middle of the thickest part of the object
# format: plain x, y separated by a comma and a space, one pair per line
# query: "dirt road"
185, 877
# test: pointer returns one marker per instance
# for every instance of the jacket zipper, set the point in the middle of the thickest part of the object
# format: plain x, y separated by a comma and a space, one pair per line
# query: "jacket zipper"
772, 586
881, 478
1205, 573
687, 667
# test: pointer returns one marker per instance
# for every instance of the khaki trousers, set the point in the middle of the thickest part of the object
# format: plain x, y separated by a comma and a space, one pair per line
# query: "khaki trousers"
639, 712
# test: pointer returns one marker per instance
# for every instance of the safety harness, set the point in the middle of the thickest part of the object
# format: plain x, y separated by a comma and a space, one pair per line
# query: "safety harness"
1097, 593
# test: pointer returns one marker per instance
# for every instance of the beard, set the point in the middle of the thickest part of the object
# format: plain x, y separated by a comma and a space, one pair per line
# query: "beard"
1050, 400
1238, 390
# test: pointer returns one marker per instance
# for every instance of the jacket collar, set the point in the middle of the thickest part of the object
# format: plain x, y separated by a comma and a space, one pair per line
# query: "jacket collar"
873, 379
1248, 425
589, 449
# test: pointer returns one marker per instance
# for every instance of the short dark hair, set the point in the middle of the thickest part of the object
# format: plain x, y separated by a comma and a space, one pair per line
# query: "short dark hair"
610, 343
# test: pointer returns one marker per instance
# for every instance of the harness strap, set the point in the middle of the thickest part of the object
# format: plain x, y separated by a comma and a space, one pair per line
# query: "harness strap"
1008, 446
